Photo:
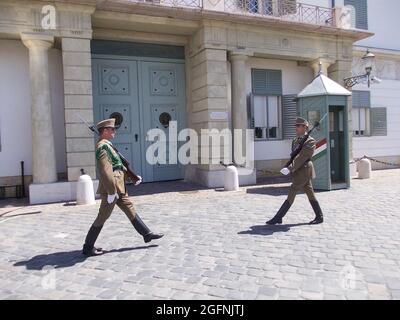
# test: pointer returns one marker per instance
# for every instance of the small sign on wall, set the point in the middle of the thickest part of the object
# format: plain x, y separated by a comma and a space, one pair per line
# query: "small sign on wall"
219, 115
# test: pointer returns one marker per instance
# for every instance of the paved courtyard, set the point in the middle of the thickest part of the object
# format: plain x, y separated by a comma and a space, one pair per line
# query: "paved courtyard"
216, 246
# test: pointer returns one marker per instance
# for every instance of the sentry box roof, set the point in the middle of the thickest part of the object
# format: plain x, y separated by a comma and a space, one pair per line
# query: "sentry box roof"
323, 86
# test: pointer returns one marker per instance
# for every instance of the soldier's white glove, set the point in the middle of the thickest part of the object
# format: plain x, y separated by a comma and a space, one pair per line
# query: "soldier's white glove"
111, 198
285, 171
139, 181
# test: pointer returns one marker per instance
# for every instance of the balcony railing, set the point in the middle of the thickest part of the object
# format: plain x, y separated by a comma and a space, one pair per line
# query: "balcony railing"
284, 9
288, 10
173, 3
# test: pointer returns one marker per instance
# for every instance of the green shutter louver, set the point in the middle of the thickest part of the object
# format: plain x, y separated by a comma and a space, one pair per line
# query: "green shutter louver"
266, 82
361, 8
250, 104
274, 82
289, 105
361, 99
378, 121
259, 81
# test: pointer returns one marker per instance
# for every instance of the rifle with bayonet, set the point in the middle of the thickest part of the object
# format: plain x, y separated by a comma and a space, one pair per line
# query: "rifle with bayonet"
133, 176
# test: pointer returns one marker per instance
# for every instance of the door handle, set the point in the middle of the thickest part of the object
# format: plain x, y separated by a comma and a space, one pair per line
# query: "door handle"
136, 137
332, 143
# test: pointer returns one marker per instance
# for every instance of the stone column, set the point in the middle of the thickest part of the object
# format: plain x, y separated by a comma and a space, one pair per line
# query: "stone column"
43, 152
239, 114
239, 104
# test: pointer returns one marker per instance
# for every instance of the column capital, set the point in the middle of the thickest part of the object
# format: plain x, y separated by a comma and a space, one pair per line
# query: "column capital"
242, 56
37, 40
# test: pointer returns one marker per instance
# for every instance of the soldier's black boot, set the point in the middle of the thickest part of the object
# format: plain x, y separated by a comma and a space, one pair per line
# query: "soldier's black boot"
319, 217
143, 230
280, 214
88, 248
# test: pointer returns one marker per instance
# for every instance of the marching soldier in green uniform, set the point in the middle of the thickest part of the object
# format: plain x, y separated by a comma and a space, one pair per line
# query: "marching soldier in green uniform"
112, 190
302, 172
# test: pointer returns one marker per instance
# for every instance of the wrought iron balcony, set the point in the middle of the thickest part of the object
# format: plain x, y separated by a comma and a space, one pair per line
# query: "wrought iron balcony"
287, 10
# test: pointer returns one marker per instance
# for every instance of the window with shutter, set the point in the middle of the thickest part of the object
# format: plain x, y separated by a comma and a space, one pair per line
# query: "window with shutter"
266, 82
289, 105
360, 9
361, 102
378, 121
361, 99
265, 117
266, 104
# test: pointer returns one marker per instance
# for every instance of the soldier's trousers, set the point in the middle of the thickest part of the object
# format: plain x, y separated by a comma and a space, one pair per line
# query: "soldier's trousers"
124, 203
296, 188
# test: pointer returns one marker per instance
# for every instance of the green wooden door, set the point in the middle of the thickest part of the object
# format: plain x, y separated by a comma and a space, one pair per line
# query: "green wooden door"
115, 95
336, 143
163, 101
141, 95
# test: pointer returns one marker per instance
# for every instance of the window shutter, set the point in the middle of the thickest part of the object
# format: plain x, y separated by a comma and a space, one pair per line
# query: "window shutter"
378, 122
289, 116
259, 81
251, 111
361, 7
274, 82
361, 99
266, 82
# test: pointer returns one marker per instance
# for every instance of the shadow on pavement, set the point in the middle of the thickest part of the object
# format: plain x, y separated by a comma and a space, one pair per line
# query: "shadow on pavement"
272, 191
266, 230
275, 191
67, 259
164, 187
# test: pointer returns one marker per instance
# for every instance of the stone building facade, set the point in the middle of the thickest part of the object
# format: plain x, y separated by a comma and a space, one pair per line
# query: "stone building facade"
217, 46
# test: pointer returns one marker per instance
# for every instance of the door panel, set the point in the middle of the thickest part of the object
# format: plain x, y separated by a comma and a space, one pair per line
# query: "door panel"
162, 115
141, 95
115, 95
163, 100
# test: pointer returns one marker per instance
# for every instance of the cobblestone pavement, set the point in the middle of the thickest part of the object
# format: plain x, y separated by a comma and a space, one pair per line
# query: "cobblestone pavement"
216, 246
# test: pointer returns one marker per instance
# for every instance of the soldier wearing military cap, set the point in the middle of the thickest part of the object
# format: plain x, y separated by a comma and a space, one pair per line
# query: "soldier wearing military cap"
302, 173
112, 190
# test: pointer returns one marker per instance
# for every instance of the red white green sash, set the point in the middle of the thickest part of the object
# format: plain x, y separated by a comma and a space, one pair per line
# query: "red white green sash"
321, 149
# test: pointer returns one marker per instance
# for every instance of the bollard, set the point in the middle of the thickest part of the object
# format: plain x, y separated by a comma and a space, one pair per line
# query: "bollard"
84, 190
231, 182
364, 169
353, 169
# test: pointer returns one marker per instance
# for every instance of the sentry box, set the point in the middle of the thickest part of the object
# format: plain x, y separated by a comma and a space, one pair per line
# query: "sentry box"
327, 101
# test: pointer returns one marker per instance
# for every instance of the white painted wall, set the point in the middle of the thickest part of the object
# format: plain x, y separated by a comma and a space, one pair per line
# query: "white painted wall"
294, 79
386, 95
15, 113
383, 20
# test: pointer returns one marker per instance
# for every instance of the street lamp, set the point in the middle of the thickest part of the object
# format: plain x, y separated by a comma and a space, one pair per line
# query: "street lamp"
368, 60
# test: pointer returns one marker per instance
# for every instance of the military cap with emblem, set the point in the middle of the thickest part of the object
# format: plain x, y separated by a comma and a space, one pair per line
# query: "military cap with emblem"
108, 123
302, 121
